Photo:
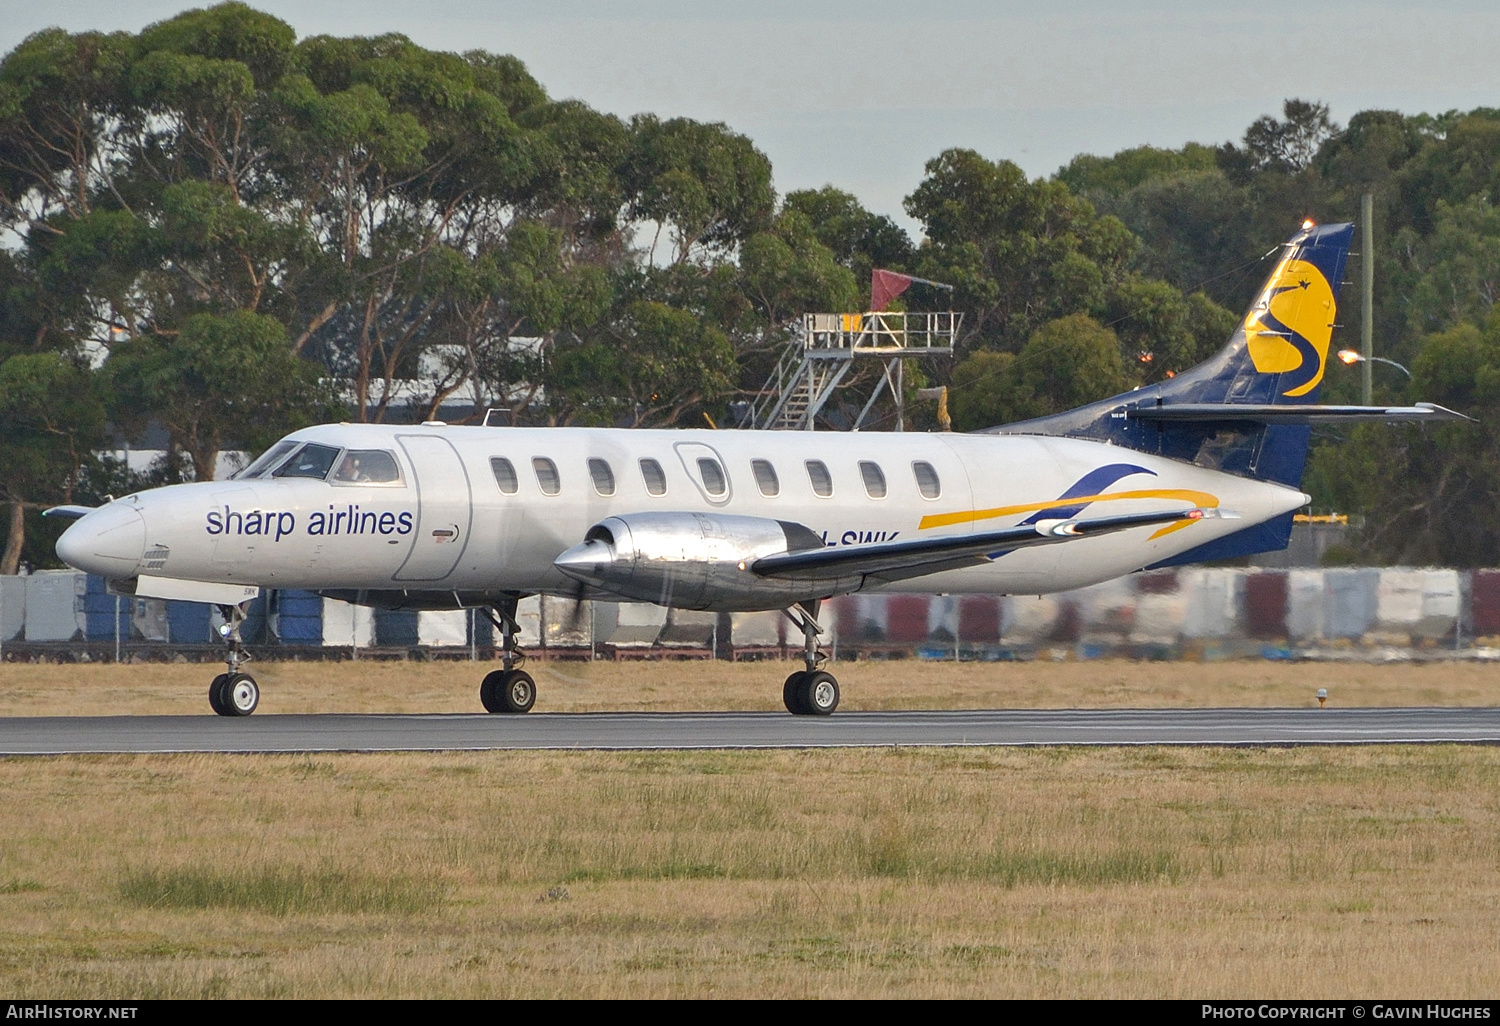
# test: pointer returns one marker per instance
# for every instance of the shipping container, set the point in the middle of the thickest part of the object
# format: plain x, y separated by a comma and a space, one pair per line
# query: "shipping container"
55, 604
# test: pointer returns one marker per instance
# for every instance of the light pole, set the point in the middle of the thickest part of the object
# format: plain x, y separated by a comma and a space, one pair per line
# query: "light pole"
1351, 357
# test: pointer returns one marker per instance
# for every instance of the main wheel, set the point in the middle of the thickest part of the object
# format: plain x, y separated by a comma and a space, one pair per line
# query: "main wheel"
507, 691
791, 694
216, 694
819, 693
238, 695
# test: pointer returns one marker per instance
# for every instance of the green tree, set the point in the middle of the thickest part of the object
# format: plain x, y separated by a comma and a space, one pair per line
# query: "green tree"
1019, 253
1162, 330
1067, 362
857, 238
709, 188
1106, 178
1458, 266
647, 368
51, 420
1428, 493
220, 380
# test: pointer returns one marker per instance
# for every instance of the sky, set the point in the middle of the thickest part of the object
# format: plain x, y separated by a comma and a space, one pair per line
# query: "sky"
862, 93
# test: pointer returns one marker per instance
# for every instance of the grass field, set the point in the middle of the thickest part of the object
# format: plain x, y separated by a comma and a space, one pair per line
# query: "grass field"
1361, 872
45, 689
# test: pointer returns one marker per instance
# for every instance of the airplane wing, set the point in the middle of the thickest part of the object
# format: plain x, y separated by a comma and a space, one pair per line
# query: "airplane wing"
899, 561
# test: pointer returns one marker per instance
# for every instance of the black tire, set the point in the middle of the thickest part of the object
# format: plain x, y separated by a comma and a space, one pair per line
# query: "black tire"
216, 695
239, 695
507, 691
819, 694
792, 694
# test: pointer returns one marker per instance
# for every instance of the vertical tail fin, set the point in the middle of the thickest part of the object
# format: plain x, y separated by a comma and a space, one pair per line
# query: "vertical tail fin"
1276, 356
1279, 350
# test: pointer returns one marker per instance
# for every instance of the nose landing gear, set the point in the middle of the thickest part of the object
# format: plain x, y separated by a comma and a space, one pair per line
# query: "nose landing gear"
810, 692
509, 690
234, 693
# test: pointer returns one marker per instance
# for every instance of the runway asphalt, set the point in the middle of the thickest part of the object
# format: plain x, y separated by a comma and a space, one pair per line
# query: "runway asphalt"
375, 733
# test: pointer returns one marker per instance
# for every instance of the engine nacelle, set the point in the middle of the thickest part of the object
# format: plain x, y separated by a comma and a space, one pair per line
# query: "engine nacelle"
689, 560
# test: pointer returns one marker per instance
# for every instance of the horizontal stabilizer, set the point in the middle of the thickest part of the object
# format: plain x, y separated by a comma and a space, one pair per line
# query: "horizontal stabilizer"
896, 561
1259, 413
68, 512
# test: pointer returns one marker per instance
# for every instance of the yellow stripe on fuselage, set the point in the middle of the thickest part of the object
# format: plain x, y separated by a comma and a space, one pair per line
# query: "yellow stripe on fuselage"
1202, 500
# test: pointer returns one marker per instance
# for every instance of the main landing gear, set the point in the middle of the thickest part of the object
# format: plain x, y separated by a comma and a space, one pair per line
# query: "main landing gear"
234, 693
810, 692
510, 690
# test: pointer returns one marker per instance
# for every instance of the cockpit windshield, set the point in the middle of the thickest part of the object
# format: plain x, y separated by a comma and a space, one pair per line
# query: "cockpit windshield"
267, 460
312, 460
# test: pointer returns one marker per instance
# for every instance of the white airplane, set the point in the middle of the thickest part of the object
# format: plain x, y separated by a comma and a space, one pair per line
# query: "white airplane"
1205, 465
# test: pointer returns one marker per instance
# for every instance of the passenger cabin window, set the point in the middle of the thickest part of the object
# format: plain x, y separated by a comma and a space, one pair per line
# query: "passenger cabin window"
268, 459
822, 483
367, 467
713, 476
505, 474
765, 478
546, 475
655, 478
603, 477
874, 479
927, 479
312, 460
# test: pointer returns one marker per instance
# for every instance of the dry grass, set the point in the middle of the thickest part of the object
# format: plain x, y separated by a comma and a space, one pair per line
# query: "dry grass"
1112, 872
1116, 872
366, 686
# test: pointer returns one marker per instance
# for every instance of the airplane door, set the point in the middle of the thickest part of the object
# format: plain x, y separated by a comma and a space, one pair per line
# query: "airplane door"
444, 508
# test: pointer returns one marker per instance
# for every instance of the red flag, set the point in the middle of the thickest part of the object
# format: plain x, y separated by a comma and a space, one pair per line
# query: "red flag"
886, 286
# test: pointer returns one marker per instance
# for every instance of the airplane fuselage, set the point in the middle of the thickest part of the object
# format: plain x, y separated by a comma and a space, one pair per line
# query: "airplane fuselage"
484, 510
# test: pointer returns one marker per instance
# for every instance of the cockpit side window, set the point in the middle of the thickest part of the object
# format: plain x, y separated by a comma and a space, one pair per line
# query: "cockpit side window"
312, 460
367, 467
267, 460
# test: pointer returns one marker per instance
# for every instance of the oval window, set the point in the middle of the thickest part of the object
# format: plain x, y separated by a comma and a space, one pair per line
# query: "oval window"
927, 479
713, 476
822, 481
546, 475
602, 476
874, 479
765, 478
654, 476
505, 474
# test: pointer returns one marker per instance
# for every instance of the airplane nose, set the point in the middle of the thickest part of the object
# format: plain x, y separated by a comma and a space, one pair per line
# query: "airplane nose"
108, 542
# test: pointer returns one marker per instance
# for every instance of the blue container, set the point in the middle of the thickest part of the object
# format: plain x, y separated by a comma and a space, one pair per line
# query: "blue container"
299, 617
188, 623
481, 631
397, 627
191, 623
100, 609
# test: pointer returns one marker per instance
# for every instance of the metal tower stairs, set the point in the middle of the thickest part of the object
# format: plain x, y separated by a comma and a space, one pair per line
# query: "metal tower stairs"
824, 352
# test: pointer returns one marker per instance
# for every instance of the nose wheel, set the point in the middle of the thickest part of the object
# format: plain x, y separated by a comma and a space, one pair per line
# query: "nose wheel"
509, 690
233, 693
810, 692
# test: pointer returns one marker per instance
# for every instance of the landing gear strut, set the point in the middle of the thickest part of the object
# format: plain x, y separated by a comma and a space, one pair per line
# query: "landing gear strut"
810, 692
510, 690
234, 693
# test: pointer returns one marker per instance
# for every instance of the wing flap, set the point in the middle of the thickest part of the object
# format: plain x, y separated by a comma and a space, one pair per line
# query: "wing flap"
894, 561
